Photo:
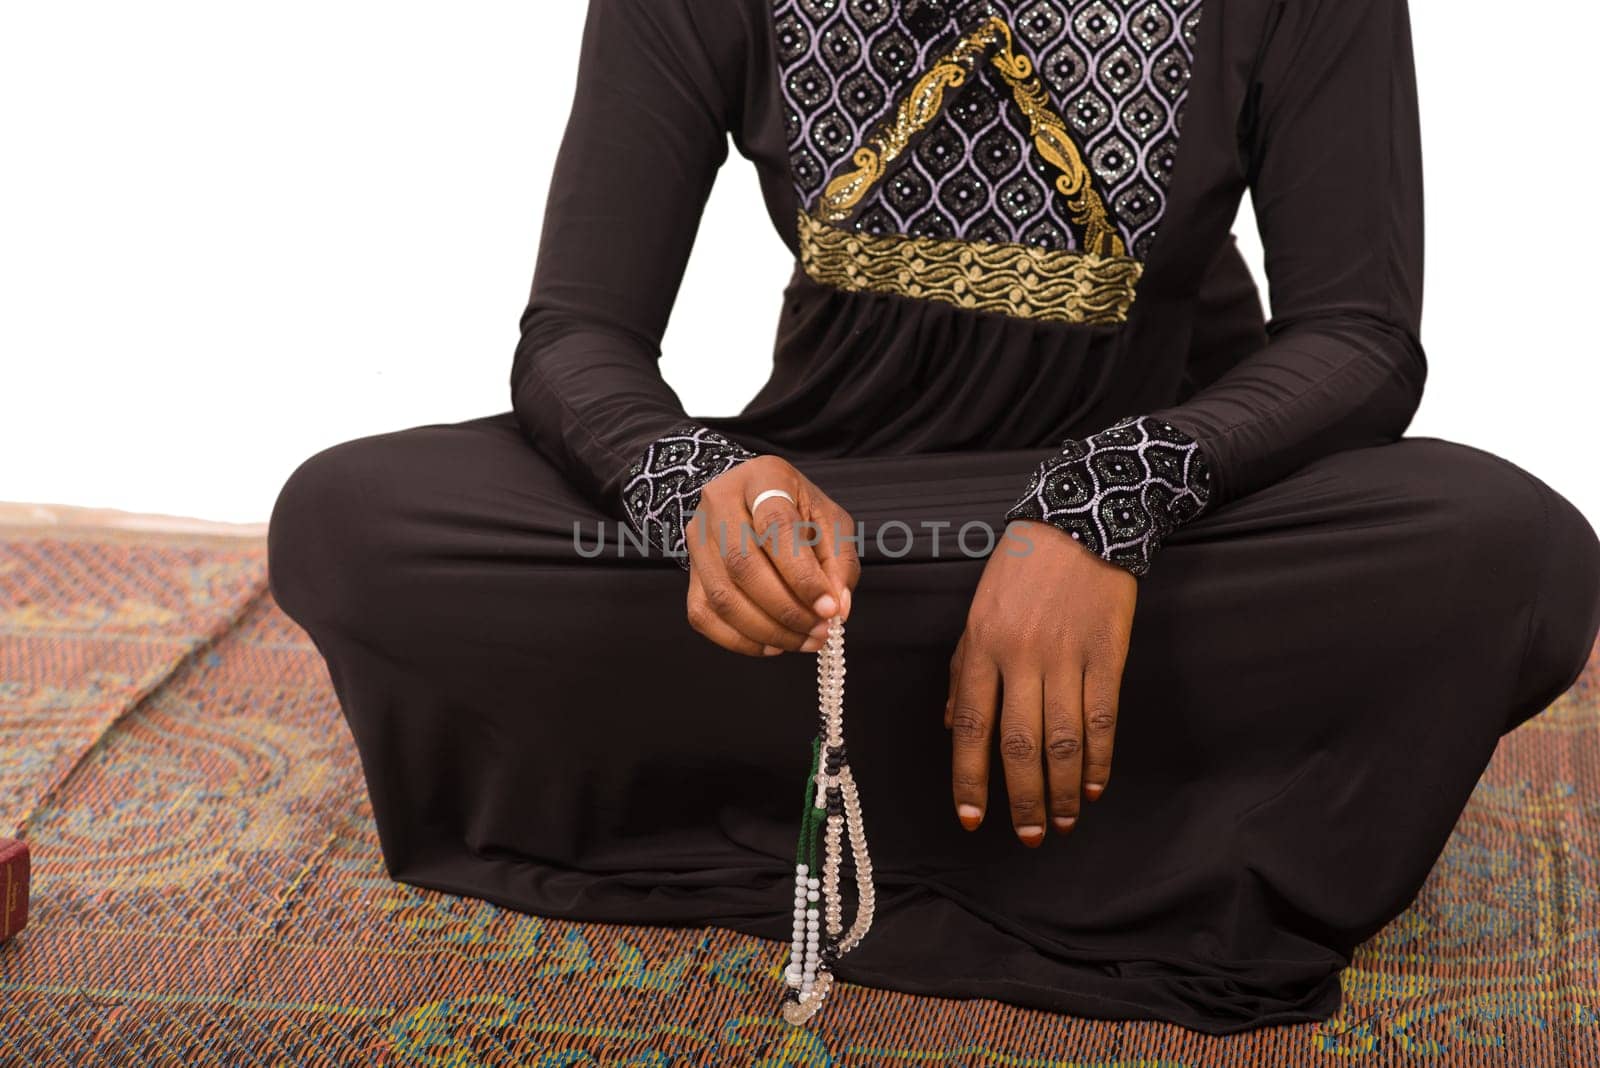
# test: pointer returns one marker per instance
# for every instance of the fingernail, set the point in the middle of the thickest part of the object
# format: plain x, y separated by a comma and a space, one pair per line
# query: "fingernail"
1094, 790
1031, 834
844, 599
970, 816
770, 650
811, 645
1064, 823
820, 630
826, 606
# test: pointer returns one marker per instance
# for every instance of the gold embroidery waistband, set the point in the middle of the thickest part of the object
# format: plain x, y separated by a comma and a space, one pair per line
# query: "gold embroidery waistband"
1017, 280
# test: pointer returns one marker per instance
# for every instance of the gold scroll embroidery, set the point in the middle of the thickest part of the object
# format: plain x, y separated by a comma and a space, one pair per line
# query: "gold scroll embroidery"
1017, 280
920, 107
923, 104
1050, 137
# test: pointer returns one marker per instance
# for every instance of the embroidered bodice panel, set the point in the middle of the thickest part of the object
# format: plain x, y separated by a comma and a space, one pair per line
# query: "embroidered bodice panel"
1005, 155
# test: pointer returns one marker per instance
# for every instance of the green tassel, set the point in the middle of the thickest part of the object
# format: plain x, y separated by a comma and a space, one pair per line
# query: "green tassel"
806, 850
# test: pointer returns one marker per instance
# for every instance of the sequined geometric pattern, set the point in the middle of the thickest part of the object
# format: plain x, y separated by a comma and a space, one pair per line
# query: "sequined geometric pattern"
662, 488
209, 890
1116, 72
1122, 490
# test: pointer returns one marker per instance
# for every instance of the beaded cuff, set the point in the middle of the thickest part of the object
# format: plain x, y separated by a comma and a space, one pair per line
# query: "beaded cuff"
661, 491
1121, 491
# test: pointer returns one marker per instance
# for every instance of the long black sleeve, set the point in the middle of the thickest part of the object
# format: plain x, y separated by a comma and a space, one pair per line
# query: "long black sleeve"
645, 138
1332, 151
1334, 159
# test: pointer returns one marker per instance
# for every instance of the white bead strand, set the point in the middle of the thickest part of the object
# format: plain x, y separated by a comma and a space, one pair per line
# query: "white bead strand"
795, 970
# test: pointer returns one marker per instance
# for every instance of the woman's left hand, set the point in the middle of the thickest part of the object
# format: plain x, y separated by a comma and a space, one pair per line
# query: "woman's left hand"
1048, 628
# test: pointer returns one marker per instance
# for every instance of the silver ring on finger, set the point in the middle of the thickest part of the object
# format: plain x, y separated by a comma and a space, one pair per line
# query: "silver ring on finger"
767, 495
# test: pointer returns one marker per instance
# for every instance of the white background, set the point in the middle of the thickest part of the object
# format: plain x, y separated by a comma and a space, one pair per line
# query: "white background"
233, 234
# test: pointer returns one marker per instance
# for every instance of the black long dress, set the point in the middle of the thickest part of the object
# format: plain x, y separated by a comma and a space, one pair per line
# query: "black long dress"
1321, 662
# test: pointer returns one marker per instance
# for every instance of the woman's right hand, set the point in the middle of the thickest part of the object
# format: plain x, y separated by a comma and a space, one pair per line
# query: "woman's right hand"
769, 582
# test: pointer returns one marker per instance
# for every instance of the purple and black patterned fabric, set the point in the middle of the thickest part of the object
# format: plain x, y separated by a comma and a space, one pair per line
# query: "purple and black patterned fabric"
1116, 73
1121, 491
663, 486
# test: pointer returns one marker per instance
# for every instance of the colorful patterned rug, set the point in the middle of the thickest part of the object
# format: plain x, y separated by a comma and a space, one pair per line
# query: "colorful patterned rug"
208, 888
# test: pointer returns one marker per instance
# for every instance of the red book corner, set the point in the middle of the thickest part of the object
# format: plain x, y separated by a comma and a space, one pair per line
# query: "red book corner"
13, 887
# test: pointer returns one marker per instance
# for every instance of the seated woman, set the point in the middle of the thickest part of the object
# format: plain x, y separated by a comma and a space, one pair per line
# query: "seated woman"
1017, 318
